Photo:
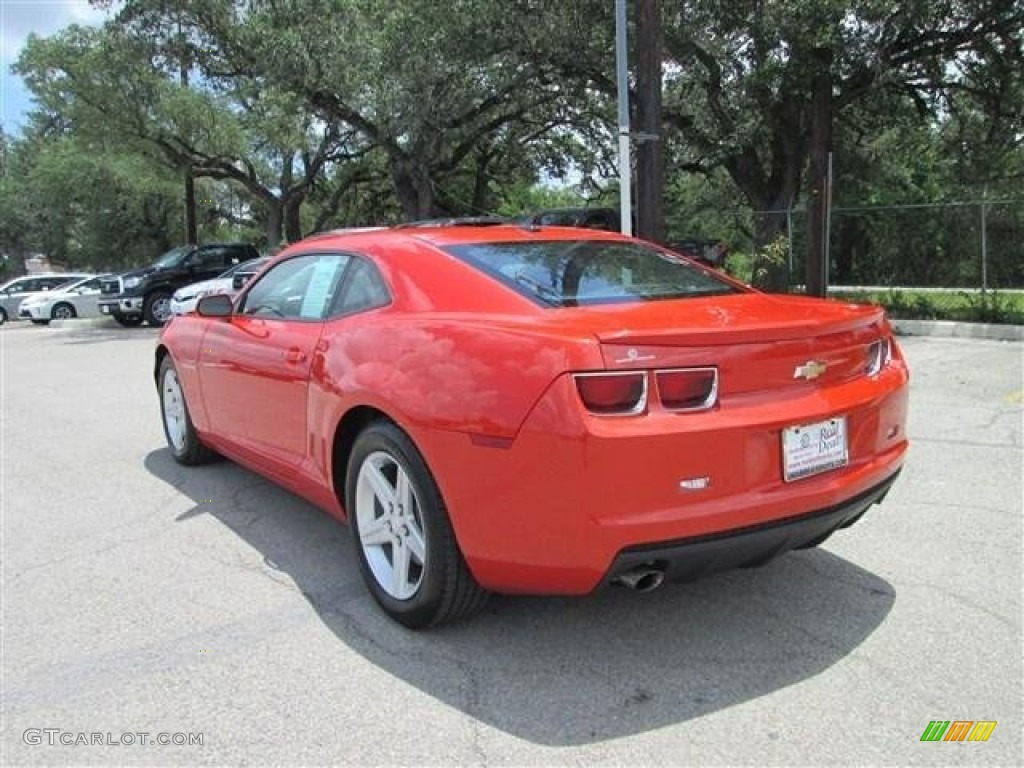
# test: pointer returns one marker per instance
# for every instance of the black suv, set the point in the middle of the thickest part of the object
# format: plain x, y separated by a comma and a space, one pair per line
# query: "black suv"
145, 294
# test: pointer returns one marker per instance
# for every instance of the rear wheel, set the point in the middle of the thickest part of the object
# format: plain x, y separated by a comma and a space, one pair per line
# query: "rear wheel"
157, 308
129, 321
3, 316
181, 435
404, 540
63, 311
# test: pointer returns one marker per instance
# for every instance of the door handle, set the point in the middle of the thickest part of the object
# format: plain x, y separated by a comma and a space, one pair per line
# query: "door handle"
295, 355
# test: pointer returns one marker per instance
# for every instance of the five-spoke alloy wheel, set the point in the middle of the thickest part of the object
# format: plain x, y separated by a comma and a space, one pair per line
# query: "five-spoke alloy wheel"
407, 551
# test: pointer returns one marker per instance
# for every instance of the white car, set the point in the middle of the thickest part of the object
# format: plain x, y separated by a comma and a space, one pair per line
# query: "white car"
14, 292
185, 299
77, 299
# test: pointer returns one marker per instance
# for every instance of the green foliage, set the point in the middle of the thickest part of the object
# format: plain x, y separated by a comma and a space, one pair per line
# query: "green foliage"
964, 306
771, 265
297, 117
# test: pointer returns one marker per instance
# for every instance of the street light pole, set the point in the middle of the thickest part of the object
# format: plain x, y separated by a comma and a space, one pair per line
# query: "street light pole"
622, 80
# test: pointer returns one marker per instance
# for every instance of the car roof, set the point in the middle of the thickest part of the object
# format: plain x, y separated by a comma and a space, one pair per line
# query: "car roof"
442, 236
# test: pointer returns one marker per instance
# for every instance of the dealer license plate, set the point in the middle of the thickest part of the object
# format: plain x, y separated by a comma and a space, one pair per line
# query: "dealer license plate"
813, 448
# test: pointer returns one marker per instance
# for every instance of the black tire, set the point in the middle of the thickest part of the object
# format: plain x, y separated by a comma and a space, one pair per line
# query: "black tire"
128, 321
185, 445
3, 316
157, 308
63, 311
445, 589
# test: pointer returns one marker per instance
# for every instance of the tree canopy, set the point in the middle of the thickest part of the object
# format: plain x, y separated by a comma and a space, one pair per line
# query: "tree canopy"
294, 117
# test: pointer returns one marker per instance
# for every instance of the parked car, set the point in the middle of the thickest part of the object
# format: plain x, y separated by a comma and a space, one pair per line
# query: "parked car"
145, 294
15, 291
185, 299
77, 299
589, 218
705, 250
546, 410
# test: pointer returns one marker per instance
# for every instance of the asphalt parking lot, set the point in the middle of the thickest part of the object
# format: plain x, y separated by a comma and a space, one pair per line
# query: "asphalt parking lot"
143, 598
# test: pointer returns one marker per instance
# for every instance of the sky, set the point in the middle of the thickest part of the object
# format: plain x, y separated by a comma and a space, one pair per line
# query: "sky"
19, 19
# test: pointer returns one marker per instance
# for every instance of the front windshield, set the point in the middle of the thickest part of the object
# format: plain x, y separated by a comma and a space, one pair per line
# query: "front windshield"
569, 273
173, 258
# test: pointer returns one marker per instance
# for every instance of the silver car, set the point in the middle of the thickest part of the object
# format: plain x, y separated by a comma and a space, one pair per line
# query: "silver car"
15, 291
77, 299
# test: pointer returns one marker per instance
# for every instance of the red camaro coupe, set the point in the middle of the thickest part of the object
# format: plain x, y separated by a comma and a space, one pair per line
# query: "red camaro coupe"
527, 409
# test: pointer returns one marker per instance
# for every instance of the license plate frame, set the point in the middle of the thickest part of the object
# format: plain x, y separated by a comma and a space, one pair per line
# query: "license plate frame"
815, 448
104, 309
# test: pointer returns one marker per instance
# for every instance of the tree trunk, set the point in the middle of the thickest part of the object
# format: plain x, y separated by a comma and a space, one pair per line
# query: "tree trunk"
414, 190
191, 230
292, 218
818, 202
650, 151
481, 185
274, 222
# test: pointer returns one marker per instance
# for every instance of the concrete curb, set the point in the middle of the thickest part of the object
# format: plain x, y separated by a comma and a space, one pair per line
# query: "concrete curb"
954, 330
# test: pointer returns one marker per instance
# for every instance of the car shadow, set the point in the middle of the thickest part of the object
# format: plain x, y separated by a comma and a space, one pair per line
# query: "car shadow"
564, 671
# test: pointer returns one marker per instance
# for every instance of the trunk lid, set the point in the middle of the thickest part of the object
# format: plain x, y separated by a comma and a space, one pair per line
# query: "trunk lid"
758, 342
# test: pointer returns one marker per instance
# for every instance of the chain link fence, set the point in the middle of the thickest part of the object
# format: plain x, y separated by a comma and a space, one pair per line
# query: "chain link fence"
960, 260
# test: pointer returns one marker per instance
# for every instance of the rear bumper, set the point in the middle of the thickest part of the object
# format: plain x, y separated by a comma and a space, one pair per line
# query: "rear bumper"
693, 558
565, 505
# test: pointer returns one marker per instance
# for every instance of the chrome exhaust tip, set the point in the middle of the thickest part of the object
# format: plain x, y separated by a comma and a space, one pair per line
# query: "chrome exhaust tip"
643, 578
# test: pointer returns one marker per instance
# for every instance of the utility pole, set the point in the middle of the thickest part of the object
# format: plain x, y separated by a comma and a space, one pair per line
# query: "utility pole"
818, 172
650, 151
622, 82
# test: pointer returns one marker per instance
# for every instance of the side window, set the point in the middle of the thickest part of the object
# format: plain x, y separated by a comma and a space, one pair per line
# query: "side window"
300, 288
28, 286
210, 259
362, 289
49, 283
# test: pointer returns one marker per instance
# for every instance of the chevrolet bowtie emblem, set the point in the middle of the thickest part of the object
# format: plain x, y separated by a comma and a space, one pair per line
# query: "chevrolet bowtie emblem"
812, 369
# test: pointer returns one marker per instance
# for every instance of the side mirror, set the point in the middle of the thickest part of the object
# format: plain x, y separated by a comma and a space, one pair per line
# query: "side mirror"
215, 306
238, 281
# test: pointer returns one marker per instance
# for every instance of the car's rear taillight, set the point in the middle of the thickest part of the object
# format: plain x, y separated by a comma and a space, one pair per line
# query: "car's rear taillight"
687, 389
613, 394
876, 357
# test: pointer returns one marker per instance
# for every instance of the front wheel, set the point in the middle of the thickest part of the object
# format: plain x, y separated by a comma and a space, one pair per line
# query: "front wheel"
181, 435
404, 540
157, 308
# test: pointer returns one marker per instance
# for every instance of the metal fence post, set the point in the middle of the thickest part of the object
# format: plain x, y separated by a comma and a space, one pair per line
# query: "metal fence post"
984, 241
789, 237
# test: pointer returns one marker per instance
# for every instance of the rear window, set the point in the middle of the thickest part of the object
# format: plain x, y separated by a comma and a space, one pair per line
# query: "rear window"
570, 273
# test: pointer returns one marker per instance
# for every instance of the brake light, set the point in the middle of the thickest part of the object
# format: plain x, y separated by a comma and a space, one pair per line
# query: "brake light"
877, 356
688, 389
613, 394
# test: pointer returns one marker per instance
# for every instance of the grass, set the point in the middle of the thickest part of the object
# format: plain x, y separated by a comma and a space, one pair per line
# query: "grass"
952, 304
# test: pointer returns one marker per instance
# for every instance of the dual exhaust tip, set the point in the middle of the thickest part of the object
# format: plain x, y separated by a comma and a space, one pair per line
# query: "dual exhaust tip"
642, 578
